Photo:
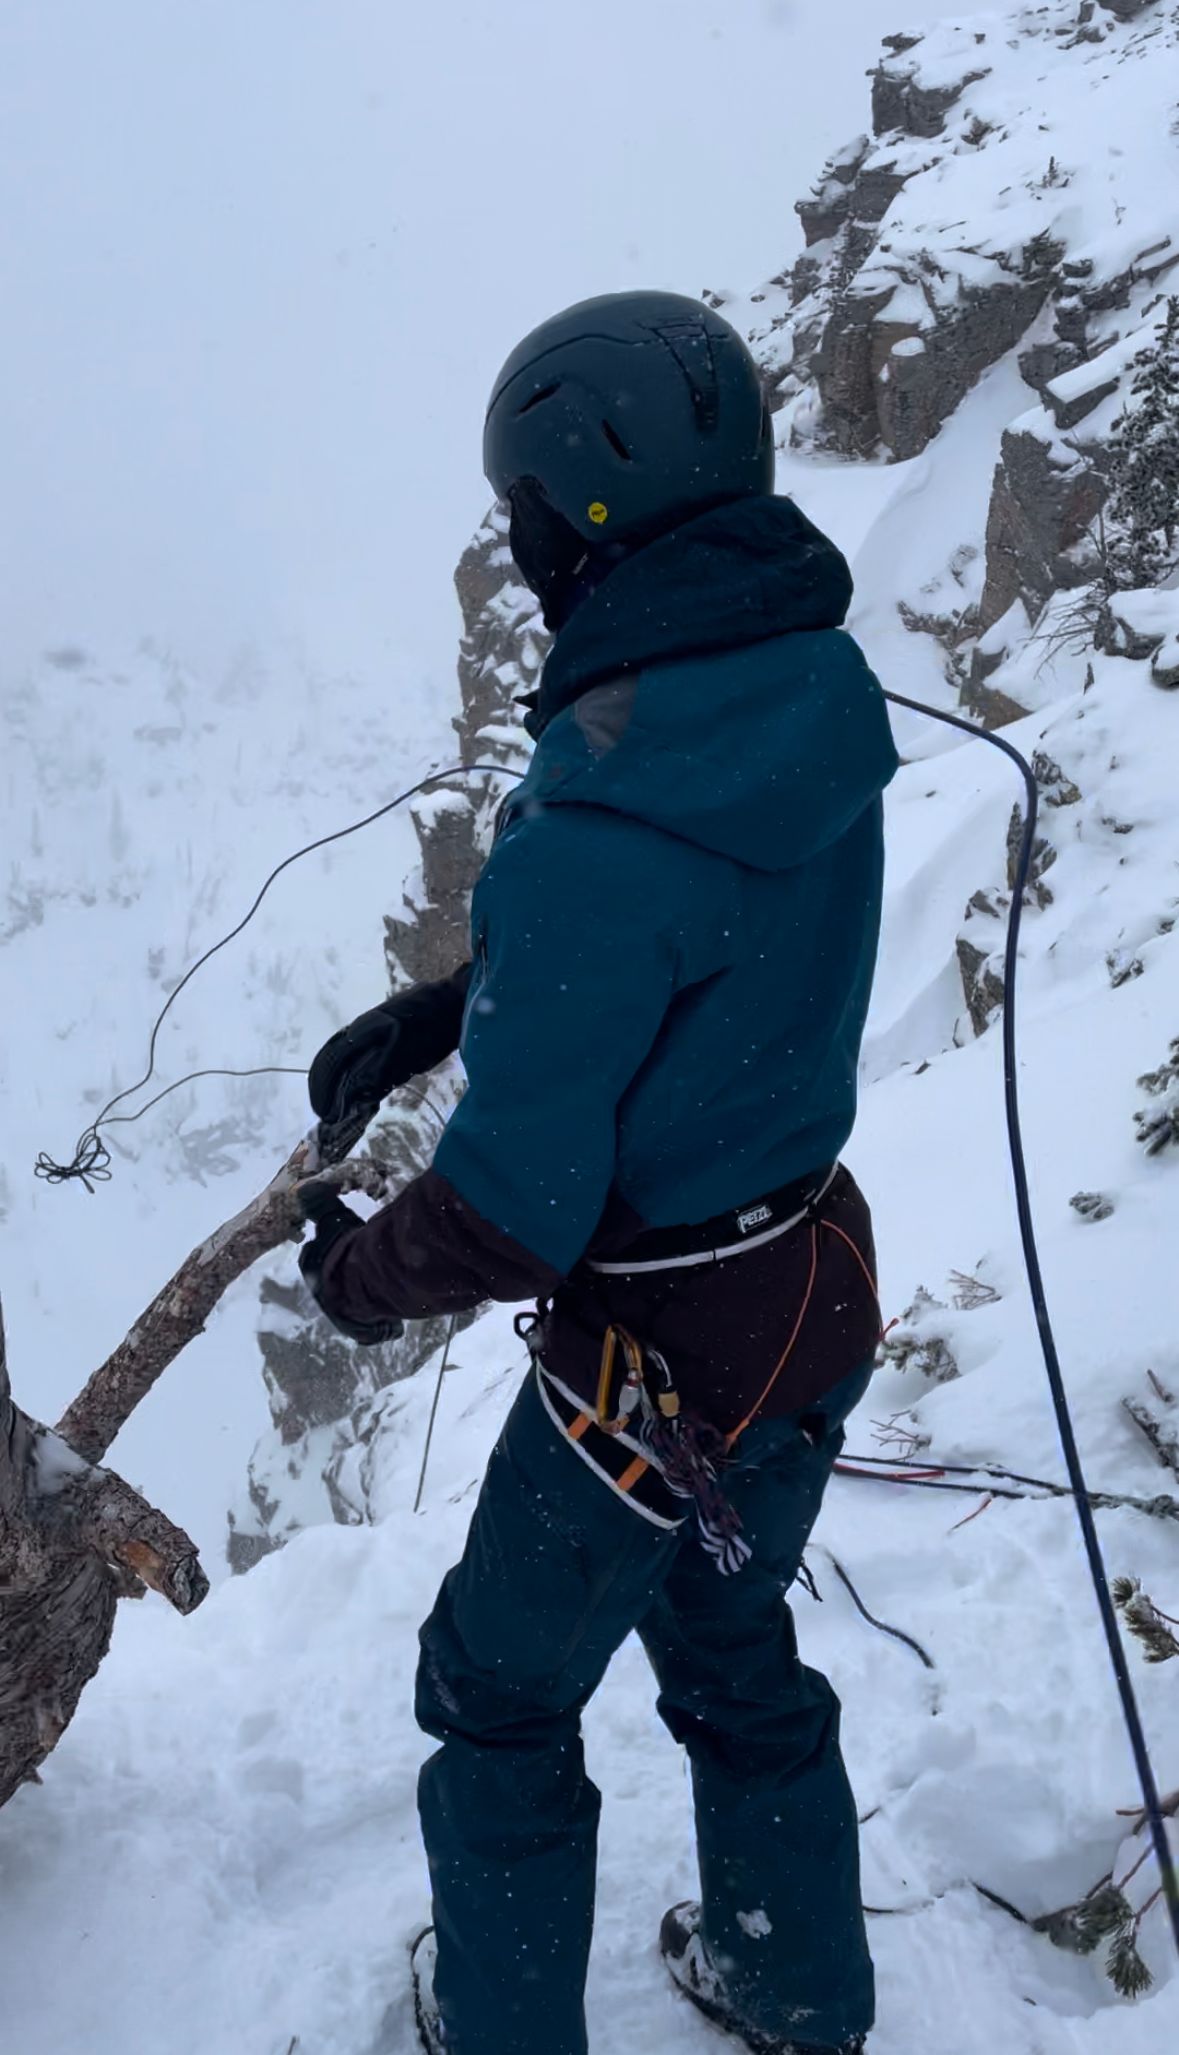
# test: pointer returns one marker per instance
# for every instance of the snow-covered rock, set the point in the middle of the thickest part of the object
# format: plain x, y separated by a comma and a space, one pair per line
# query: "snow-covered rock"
1045, 500
979, 201
1146, 624
1010, 219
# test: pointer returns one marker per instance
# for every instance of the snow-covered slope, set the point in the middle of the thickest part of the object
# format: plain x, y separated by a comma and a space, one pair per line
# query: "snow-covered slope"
251, 1771
237, 1791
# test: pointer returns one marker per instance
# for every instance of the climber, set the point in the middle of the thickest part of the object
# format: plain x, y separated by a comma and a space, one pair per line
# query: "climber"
674, 938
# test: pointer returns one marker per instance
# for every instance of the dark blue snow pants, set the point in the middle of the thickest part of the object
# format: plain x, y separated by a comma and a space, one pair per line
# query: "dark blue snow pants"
557, 1571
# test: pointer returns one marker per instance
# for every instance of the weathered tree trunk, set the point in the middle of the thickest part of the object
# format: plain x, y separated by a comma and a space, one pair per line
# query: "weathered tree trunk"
55, 1612
74, 1538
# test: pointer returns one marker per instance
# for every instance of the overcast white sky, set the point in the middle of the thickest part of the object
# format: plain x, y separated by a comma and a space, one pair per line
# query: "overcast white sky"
260, 259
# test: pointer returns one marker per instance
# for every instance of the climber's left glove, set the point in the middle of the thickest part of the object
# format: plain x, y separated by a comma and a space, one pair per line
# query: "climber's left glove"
334, 1222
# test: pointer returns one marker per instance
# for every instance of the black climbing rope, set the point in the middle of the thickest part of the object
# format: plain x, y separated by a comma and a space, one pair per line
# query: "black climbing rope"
443, 1367
881, 1626
1064, 1420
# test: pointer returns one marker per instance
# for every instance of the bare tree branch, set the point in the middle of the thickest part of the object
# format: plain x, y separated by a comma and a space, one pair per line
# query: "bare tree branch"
1163, 1439
78, 1507
179, 1312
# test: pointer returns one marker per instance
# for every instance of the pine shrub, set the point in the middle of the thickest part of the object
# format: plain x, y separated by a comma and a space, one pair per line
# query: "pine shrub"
1142, 511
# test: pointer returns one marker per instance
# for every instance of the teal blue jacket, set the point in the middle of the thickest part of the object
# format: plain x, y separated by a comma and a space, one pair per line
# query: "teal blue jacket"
676, 931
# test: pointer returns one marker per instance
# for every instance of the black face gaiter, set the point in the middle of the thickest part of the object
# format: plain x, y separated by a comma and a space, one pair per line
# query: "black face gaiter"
554, 561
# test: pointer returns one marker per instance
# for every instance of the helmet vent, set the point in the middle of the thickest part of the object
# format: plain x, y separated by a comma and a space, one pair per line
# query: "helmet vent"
546, 393
691, 345
616, 443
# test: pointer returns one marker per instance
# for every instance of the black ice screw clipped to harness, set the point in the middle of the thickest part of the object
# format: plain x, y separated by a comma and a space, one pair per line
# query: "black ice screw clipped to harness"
91, 1165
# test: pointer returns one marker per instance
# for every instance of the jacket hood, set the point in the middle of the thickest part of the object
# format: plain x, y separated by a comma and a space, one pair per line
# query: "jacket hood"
706, 690
739, 574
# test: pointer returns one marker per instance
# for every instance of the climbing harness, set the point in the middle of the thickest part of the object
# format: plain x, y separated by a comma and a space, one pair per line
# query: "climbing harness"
636, 1390
618, 1459
691, 1453
741, 1218
637, 1401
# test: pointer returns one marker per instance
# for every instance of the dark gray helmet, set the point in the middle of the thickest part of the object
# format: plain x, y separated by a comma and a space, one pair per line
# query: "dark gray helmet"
628, 414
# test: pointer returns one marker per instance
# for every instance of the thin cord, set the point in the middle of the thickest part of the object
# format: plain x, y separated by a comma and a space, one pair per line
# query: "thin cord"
91, 1164
443, 1367
1072, 1456
91, 1161
788, 1351
881, 1626
932, 1479
924, 1469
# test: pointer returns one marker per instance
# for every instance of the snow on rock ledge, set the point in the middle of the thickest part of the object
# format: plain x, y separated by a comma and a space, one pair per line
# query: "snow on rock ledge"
914, 93
979, 201
988, 283
1146, 624
912, 338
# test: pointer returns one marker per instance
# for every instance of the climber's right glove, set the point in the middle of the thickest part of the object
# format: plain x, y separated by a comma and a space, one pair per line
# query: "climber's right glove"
382, 1049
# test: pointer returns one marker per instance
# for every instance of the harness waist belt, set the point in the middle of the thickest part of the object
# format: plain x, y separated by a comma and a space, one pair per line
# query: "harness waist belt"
726, 1234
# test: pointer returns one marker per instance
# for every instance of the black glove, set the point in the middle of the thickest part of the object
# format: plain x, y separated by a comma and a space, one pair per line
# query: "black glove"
333, 1220
410, 1033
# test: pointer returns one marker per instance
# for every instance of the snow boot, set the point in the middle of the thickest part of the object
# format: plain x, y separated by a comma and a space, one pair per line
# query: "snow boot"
422, 1956
683, 1950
